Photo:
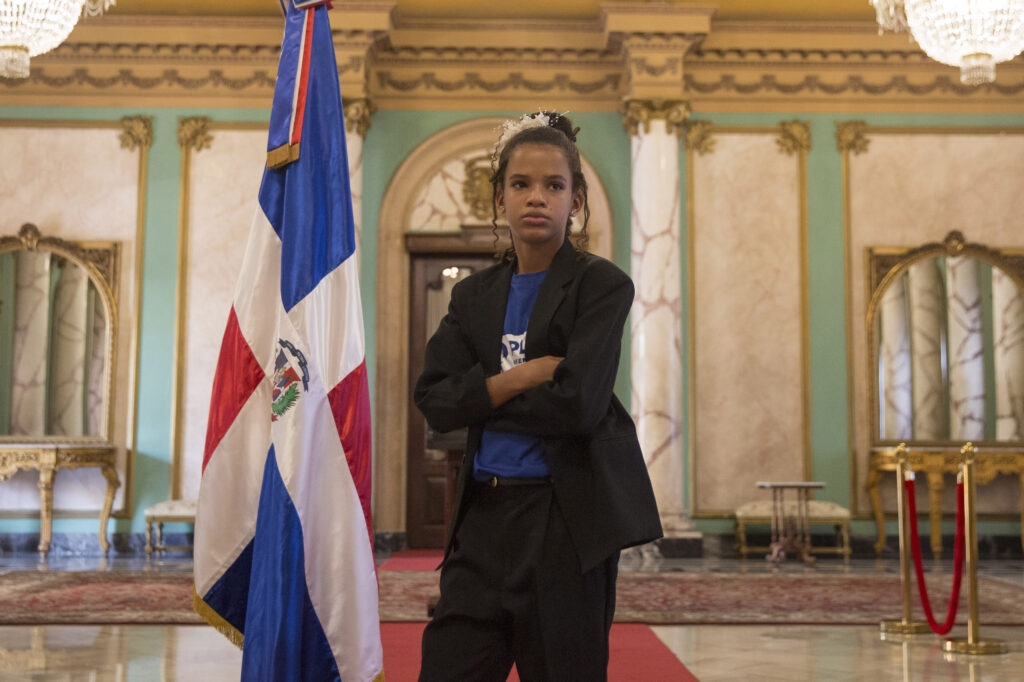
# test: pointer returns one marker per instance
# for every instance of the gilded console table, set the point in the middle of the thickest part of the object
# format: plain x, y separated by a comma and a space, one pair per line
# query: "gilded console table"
47, 460
934, 462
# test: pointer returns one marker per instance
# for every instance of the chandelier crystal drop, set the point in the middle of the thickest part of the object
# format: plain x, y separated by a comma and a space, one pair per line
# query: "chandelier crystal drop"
94, 8
32, 27
891, 16
974, 35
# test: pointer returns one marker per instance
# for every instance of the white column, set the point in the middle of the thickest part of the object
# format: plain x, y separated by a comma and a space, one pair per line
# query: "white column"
966, 361
894, 352
1008, 330
354, 142
357, 122
31, 332
927, 305
656, 319
69, 330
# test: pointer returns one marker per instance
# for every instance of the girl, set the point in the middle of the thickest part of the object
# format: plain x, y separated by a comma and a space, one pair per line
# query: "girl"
553, 483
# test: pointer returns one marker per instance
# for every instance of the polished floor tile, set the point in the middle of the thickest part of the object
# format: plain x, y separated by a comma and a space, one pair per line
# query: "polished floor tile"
713, 653
836, 653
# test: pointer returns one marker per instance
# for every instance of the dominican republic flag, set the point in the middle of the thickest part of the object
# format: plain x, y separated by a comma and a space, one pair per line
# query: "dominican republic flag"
283, 556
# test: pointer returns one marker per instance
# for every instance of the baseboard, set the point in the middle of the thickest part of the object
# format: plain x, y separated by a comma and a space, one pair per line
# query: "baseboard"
711, 545
131, 544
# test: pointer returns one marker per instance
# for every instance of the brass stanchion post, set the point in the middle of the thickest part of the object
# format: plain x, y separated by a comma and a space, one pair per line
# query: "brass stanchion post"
907, 625
972, 644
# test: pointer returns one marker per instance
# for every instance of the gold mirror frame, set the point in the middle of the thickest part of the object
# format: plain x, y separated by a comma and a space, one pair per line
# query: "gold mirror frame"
885, 265
102, 263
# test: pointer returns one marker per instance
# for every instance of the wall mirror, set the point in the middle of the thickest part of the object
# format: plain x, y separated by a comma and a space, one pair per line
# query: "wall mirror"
58, 331
946, 343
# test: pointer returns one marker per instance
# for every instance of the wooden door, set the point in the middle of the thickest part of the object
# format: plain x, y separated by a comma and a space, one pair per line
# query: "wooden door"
429, 476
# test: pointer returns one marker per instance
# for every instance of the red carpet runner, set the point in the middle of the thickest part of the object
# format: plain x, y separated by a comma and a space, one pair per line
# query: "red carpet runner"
637, 655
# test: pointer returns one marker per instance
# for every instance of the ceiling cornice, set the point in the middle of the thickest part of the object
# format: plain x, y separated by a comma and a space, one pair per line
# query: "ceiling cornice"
490, 64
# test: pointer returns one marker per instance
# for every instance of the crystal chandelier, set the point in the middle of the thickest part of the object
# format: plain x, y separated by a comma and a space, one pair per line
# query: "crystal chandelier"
972, 34
32, 27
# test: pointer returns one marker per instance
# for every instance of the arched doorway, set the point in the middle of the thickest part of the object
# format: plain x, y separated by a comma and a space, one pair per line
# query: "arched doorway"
428, 175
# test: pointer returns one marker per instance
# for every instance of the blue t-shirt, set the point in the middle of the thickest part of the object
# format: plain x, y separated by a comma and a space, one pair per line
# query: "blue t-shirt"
513, 454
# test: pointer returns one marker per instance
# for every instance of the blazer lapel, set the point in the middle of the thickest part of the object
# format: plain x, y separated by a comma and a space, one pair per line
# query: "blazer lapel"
493, 301
552, 291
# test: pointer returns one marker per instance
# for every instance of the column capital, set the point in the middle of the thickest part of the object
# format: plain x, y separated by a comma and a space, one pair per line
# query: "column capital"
653, 39
699, 138
794, 137
194, 133
358, 113
851, 136
136, 132
362, 26
637, 112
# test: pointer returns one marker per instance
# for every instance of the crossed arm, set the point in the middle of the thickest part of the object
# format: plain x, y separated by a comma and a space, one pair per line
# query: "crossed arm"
545, 396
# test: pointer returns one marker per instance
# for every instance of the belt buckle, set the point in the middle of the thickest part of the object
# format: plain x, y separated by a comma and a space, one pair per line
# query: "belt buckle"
493, 482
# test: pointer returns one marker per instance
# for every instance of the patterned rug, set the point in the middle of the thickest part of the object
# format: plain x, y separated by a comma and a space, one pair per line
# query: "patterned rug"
35, 598
761, 598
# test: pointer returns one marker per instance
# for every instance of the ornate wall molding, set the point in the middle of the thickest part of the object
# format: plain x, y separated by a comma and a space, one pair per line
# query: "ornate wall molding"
476, 190
667, 52
851, 136
794, 137
194, 133
637, 113
854, 84
698, 137
358, 116
104, 260
137, 132
474, 82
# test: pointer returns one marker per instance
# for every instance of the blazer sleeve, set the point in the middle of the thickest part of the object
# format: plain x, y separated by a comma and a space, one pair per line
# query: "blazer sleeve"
451, 392
577, 398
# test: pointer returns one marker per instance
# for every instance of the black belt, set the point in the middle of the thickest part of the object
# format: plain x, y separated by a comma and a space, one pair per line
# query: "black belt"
502, 481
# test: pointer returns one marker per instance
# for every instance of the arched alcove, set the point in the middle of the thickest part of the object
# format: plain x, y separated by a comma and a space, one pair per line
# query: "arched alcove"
395, 220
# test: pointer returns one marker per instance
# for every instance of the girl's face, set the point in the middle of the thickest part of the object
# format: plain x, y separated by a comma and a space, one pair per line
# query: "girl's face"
537, 196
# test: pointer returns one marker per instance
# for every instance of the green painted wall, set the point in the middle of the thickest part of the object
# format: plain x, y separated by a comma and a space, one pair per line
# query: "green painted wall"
392, 137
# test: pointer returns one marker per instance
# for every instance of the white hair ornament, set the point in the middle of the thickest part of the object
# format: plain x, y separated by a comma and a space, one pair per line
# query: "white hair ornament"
513, 127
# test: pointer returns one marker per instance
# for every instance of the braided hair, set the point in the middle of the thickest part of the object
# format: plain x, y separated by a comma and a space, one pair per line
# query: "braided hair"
558, 132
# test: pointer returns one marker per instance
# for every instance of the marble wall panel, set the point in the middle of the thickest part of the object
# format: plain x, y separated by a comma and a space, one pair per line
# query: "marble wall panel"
908, 189
223, 188
1008, 360
747, 334
76, 183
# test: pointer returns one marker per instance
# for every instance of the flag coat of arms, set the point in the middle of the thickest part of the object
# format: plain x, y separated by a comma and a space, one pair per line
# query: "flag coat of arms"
283, 540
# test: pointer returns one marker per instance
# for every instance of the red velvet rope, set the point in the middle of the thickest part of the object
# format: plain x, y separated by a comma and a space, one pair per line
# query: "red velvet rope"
958, 559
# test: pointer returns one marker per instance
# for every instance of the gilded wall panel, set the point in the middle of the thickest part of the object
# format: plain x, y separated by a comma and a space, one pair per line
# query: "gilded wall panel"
913, 186
747, 334
223, 185
75, 181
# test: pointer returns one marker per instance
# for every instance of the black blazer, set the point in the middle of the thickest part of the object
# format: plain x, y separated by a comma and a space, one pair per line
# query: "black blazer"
597, 470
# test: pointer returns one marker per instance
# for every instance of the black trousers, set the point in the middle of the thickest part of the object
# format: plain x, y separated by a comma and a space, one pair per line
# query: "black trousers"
512, 591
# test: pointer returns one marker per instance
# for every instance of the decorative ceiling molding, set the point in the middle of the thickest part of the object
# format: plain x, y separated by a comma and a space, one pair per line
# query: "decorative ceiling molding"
584, 65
